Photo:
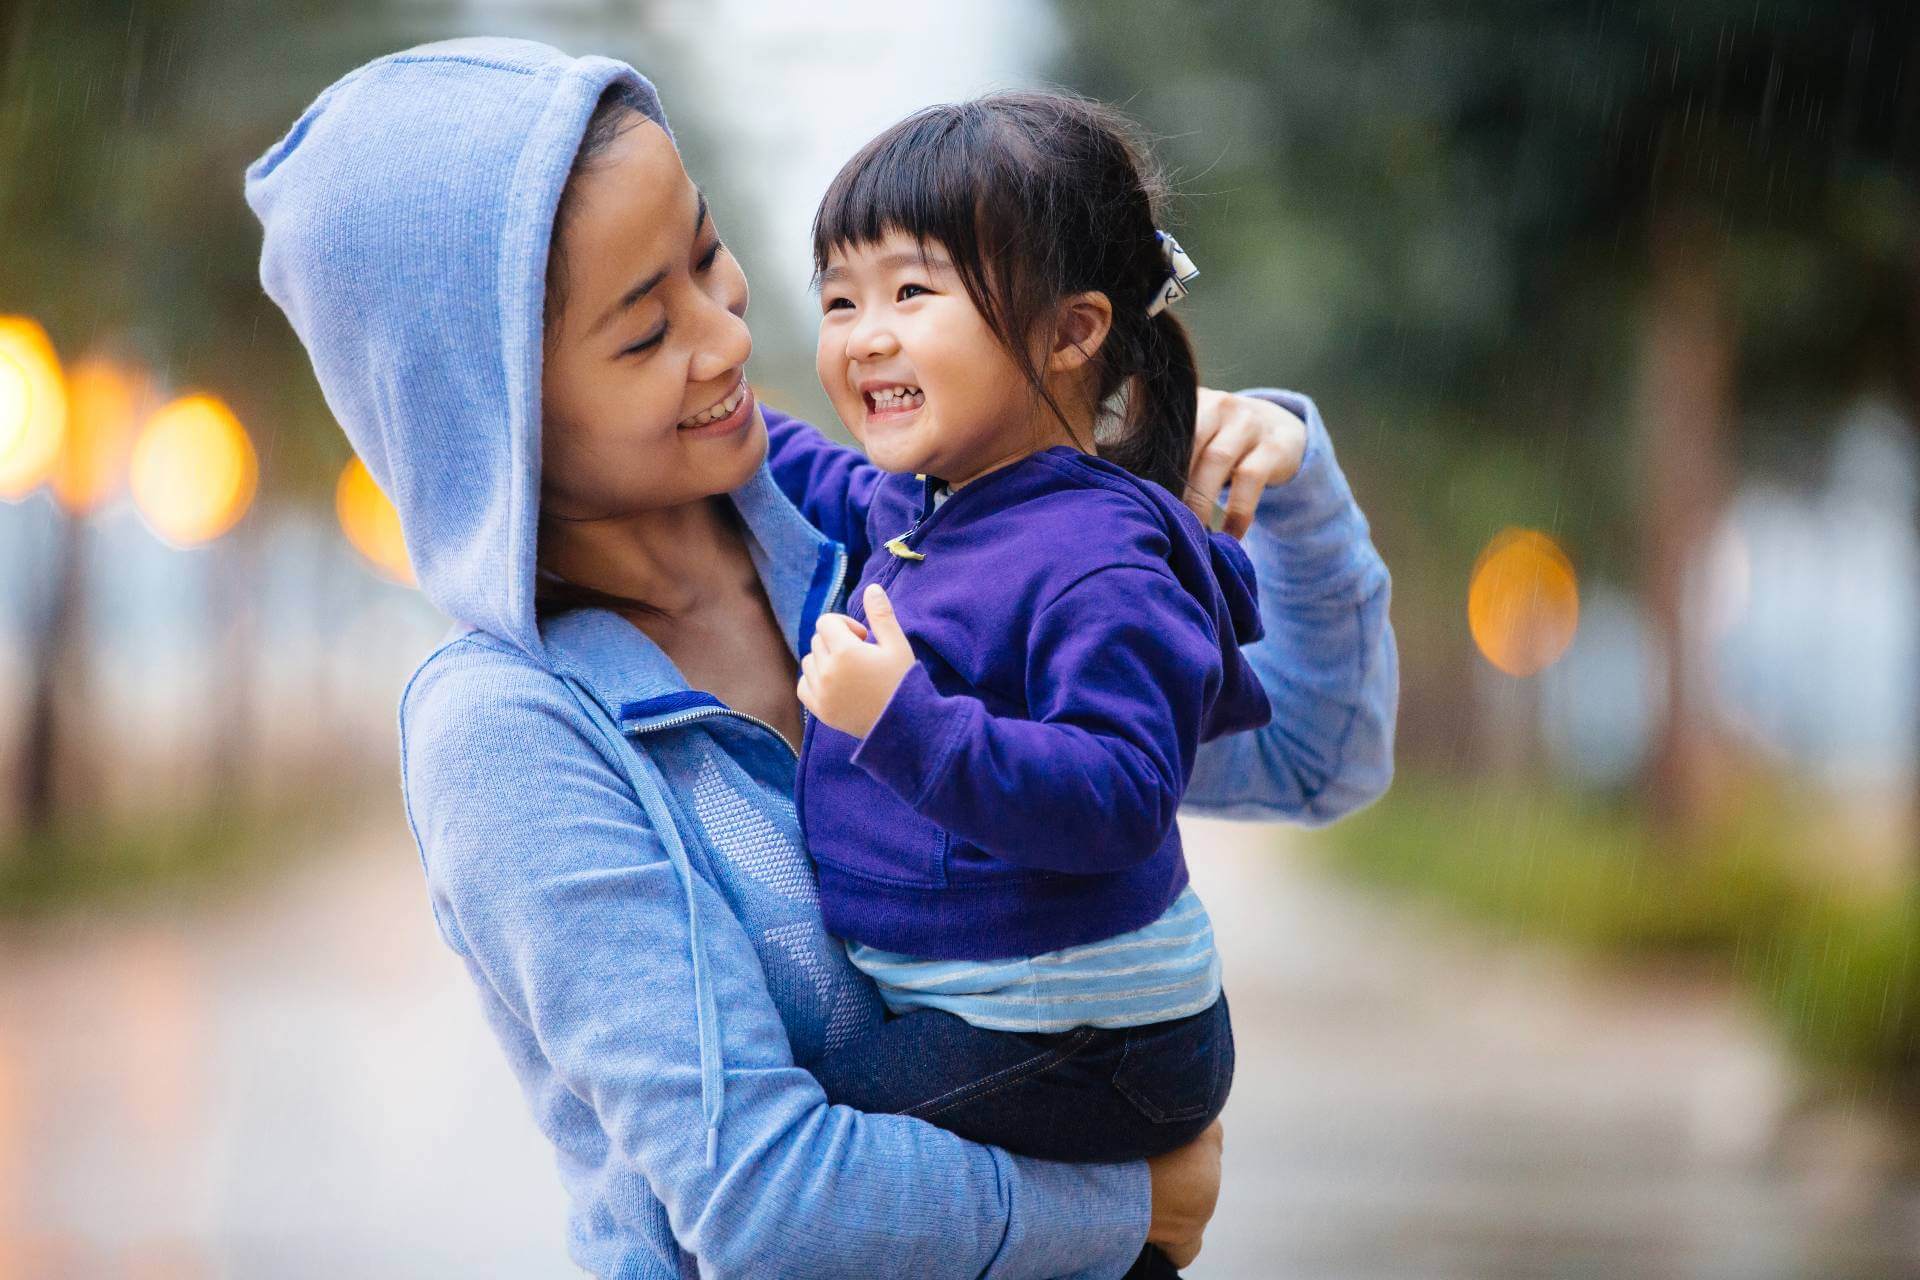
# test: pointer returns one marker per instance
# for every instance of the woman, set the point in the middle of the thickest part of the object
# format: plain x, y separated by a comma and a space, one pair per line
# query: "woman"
551, 390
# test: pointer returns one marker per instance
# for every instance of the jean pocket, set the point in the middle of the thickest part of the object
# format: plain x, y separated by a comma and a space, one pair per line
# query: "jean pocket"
1177, 1072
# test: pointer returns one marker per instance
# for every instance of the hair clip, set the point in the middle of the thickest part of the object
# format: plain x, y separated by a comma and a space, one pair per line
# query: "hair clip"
1180, 270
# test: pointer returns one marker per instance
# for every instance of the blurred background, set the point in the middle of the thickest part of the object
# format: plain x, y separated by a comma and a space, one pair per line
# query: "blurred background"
1613, 310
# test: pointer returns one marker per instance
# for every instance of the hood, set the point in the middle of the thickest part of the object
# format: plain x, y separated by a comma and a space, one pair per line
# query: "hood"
407, 215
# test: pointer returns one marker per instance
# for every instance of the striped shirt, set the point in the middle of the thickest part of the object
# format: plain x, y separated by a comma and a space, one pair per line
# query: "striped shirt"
1168, 969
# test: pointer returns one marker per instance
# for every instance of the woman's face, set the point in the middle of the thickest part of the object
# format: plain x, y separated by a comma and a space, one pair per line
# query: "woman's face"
645, 399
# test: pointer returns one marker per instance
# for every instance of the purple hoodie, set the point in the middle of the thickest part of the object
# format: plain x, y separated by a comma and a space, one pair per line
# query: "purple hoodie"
1078, 634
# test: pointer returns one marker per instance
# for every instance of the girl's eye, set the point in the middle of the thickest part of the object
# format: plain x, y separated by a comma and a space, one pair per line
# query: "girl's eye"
647, 344
918, 288
837, 304
707, 262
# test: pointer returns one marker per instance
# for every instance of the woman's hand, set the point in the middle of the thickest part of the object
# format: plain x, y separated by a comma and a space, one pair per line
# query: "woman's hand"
1254, 442
844, 680
1186, 1186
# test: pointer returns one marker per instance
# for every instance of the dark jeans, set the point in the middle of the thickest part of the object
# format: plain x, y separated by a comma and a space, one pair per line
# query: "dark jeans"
1088, 1095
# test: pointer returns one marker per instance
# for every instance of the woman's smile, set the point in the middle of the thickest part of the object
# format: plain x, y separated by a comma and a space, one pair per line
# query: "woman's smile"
646, 360
724, 418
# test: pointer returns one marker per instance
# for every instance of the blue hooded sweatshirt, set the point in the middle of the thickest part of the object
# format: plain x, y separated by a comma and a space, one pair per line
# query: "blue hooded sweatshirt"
613, 855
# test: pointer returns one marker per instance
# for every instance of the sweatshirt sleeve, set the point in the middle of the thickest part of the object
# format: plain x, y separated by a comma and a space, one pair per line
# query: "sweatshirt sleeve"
1327, 661
830, 483
1121, 667
547, 879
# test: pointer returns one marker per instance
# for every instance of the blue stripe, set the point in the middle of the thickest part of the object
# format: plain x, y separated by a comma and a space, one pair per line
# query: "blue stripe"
667, 703
823, 567
1166, 969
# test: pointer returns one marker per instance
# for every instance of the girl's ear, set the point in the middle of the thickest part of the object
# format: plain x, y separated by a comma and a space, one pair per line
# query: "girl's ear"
1085, 320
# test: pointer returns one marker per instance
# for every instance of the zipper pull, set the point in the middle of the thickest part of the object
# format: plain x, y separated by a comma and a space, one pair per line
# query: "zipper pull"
898, 545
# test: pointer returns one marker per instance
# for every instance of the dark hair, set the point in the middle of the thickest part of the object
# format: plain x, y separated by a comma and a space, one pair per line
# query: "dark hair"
613, 115
1035, 197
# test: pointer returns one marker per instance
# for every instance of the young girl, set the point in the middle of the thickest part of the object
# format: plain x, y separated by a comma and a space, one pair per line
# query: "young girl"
1043, 635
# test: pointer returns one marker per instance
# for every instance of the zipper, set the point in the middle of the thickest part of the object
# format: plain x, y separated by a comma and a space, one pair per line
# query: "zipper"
900, 545
702, 713
718, 708
834, 586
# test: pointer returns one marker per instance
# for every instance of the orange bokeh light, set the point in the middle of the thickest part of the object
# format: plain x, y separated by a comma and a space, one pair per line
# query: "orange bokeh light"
16, 402
1523, 606
104, 404
33, 407
371, 524
193, 471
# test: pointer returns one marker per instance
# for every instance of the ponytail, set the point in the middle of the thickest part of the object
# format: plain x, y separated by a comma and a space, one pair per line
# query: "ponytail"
1156, 437
1037, 196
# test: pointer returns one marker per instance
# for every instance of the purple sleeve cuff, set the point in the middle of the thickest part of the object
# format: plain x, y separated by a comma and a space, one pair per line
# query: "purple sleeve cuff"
909, 745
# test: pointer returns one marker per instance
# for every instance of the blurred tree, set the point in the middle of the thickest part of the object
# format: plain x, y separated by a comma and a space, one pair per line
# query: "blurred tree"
1521, 225
124, 128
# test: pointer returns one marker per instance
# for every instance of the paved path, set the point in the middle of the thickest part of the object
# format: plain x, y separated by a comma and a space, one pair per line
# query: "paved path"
296, 1084
1415, 1101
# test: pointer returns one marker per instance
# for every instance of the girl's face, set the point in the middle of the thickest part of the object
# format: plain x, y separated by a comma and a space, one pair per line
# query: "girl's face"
645, 398
893, 316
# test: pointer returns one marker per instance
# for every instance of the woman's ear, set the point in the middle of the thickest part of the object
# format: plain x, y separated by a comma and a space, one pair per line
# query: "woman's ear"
1085, 320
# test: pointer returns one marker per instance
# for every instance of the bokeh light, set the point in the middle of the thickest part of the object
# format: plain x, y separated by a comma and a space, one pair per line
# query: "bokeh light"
1524, 602
33, 407
104, 404
371, 524
194, 471
16, 402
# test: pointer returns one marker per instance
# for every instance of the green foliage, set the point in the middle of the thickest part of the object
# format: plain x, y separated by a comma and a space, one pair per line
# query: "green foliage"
1843, 978
124, 130
1454, 206
90, 860
1573, 868
1840, 975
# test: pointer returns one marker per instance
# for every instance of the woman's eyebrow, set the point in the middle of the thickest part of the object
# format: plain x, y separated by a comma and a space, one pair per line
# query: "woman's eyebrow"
642, 288
892, 262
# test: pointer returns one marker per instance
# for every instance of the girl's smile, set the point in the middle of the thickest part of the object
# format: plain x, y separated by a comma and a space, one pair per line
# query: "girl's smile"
886, 401
913, 368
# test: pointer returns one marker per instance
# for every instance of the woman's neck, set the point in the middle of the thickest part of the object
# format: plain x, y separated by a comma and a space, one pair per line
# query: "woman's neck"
673, 559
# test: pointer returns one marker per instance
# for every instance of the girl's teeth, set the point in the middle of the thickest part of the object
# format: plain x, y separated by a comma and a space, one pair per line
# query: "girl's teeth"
897, 397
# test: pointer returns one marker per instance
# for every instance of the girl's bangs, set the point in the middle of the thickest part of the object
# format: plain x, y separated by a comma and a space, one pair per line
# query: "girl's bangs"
918, 178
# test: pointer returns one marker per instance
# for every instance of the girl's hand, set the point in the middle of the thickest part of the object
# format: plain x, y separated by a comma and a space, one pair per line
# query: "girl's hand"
1186, 1187
845, 681
1253, 441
